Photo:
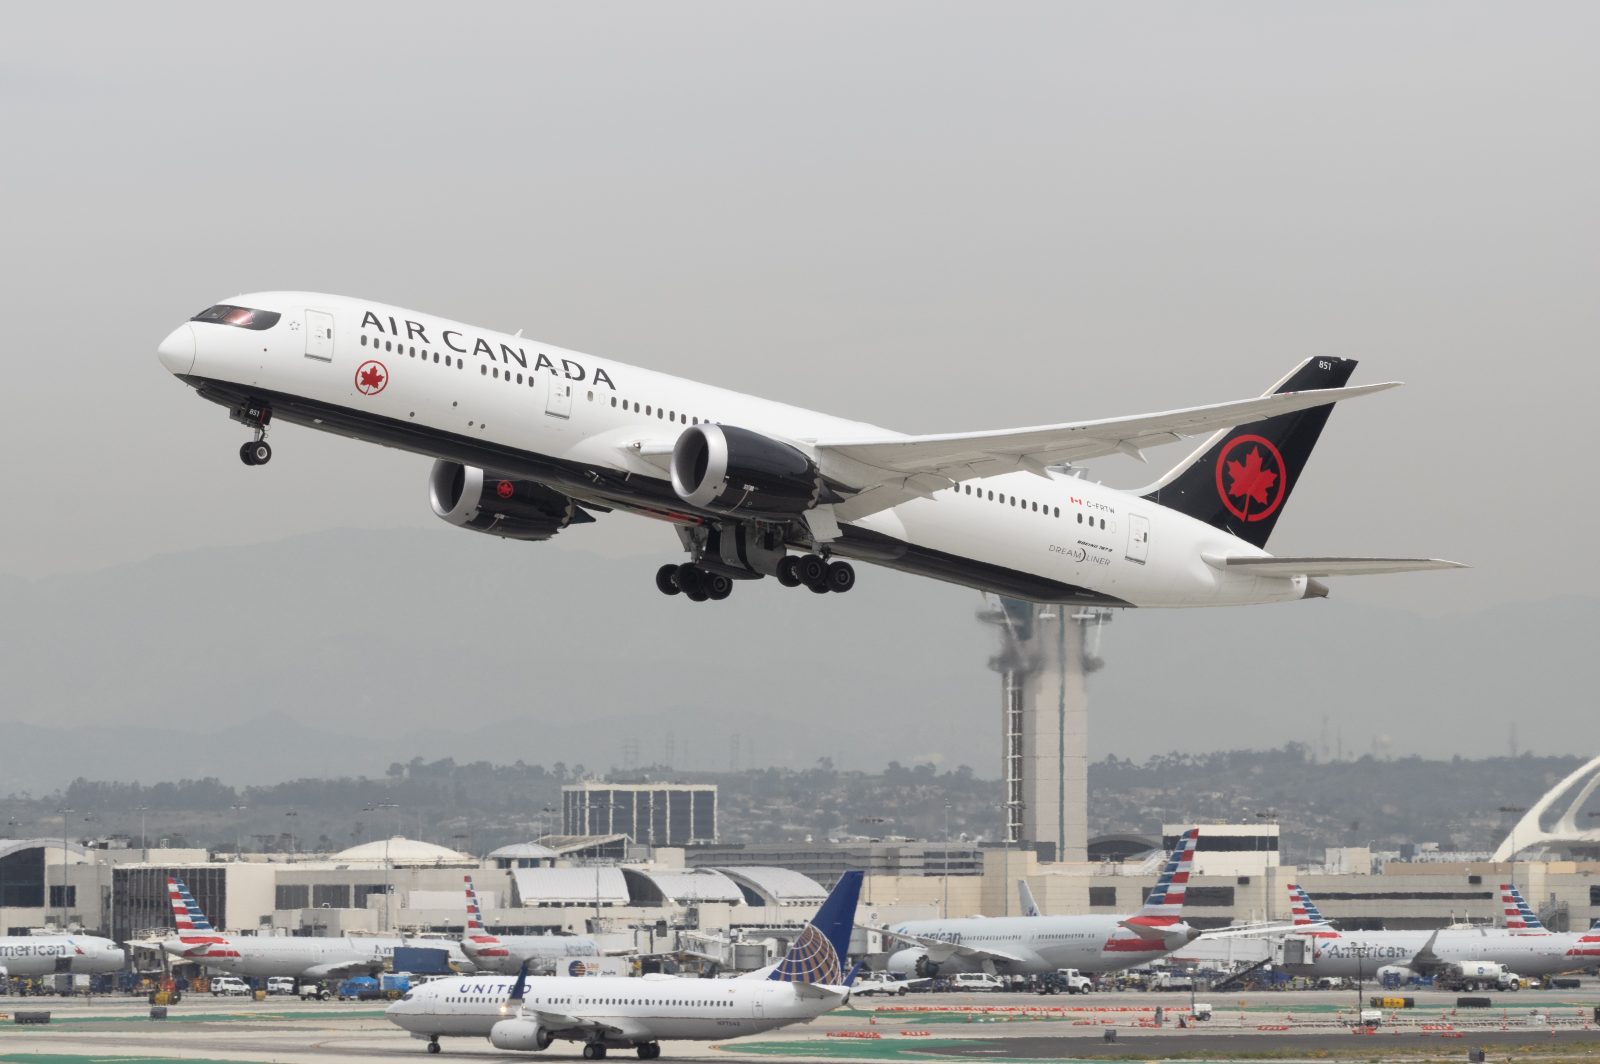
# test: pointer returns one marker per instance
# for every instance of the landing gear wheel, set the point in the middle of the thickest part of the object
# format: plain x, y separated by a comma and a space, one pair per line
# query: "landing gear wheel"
819, 588
258, 452
594, 1051
691, 581
789, 571
718, 587
841, 576
667, 580
433, 1045
649, 1050
811, 569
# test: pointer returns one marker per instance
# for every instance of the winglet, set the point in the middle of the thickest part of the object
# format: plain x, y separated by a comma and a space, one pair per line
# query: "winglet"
519, 988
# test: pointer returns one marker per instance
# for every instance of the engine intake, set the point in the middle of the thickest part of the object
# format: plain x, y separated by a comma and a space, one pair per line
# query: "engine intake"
736, 471
524, 1035
469, 497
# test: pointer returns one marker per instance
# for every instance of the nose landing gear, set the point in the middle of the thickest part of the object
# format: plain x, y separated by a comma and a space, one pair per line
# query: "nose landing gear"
255, 416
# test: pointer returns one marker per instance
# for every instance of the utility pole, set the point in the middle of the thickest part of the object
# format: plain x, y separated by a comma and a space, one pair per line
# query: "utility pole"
65, 812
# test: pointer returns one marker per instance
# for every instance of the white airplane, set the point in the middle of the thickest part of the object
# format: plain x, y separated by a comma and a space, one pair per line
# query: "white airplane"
35, 955
260, 956
1035, 944
1528, 950
529, 439
617, 1012
511, 953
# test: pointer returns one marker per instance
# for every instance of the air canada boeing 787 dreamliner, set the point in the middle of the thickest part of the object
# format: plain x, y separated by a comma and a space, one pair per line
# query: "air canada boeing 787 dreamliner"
528, 439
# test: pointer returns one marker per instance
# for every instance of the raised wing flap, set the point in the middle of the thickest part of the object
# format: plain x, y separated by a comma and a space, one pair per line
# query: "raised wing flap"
914, 465
1289, 568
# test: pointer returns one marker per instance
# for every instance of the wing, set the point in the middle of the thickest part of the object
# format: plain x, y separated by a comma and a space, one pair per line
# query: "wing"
890, 470
1262, 930
341, 970
565, 1025
940, 951
1292, 567
1425, 961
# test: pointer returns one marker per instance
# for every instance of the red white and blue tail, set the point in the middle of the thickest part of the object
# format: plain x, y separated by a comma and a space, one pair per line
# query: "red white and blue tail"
186, 915
476, 942
1308, 919
1165, 903
1519, 915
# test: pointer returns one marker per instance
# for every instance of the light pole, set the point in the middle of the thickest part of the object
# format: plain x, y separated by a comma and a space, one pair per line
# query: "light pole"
291, 813
387, 867
144, 842
1514, 810
238, 847
65, 812
945, 909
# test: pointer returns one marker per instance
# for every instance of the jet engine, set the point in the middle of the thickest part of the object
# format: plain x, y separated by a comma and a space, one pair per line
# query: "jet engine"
1397, 974
912, 963
736, 471
519, 1034
469, 497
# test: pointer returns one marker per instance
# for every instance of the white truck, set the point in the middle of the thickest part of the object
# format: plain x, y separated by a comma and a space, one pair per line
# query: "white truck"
1064, 981
1470, 976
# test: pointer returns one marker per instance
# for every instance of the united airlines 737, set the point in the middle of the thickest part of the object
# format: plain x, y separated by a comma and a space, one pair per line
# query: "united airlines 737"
529, 439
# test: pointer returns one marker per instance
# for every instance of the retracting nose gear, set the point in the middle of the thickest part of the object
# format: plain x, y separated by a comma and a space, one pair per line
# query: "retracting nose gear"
256, 416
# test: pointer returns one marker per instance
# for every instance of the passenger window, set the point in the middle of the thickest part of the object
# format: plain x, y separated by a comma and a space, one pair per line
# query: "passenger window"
519, 378
363, 339
483, 369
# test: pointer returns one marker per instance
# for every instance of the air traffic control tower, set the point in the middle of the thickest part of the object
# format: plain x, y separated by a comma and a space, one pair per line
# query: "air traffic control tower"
1046, 654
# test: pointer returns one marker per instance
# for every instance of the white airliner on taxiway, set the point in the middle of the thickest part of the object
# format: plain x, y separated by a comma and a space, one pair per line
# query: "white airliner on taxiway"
618, 1012
528, 439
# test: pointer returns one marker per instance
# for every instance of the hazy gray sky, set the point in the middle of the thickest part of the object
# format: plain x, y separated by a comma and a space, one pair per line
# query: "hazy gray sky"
932, 216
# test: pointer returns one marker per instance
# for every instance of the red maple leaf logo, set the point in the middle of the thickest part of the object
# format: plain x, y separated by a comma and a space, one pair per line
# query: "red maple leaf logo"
1250, 480
370, 377
1254, 488
505, 489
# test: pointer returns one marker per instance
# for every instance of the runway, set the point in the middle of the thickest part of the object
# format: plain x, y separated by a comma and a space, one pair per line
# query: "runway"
945, 1027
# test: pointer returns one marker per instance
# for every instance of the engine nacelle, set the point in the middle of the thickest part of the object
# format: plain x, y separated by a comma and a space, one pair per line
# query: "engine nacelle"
911, 963
736, 471
524, 1035
1395, 973
468, 497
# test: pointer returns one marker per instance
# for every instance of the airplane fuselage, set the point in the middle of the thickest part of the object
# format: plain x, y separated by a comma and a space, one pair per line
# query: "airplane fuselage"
593, 429
35, 955
1042, 944
639, 1009
1363, 954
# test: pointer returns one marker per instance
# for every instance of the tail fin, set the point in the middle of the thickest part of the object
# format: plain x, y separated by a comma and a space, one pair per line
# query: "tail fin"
1240, 479
1303, 908
1165, 903
186, 914
1519, 915
1029, 906
476, 942
817, 956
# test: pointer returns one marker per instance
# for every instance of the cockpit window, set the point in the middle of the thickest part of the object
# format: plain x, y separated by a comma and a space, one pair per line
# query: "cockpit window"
243, 317
406, 996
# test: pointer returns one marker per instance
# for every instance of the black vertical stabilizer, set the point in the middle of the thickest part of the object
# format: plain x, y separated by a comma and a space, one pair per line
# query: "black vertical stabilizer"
1241, 478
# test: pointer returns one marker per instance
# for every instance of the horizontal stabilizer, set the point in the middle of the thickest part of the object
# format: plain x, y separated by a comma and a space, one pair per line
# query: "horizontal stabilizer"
1288, 568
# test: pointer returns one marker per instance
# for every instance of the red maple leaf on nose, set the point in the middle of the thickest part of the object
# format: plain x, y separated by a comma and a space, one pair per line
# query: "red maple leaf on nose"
1249, 480
371, 378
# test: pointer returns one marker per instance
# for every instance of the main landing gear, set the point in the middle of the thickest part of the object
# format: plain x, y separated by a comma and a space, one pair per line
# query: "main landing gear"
648, 1050
697, 584
594, 1051
816, 573
255, 416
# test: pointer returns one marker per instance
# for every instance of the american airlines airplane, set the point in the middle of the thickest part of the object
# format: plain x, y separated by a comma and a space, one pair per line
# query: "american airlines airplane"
511, 953
35, 955
616, 1012
1035, 944
259, 956
528, 439
1409, 954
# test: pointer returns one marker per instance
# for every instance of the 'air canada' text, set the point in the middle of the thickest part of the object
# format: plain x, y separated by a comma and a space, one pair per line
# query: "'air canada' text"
479, 347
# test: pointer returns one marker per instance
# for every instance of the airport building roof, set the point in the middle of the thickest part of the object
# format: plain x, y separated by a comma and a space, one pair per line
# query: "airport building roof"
775, 886
522, 850
570, 886
401, 853
680, 887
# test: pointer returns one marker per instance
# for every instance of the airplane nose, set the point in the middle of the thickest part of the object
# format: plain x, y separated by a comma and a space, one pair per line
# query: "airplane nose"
177, 350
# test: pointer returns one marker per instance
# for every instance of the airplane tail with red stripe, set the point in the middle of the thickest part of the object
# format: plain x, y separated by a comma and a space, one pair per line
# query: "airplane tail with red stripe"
1164, 905
476, 942
186, 914
1519, 915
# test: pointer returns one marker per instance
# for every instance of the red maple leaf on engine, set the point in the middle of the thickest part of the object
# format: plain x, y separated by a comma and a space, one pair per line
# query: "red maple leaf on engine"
1249, 480
370, 377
